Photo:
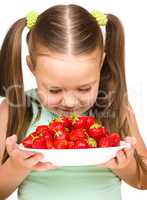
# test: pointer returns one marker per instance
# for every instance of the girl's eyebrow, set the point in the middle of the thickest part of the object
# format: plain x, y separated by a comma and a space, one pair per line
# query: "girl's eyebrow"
87, 84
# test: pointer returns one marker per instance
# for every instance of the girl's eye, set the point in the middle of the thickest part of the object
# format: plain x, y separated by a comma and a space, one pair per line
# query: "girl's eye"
55, 91
80, 90
84, 90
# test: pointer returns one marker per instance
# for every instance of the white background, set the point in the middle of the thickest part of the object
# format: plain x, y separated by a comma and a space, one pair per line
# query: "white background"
133, 15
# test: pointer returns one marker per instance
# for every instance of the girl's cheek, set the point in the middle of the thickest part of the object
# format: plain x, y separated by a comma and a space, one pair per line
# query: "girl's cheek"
88, 99
49, 100
53, 101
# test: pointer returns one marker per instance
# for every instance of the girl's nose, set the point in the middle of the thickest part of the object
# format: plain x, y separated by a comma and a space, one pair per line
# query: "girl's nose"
70, 101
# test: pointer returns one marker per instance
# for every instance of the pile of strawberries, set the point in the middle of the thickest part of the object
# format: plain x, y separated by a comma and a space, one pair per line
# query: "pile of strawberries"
74, 132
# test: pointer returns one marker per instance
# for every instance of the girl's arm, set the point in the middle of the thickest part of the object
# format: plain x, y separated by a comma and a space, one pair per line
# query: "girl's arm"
125, 165
140, 145
133, 174
10, 176
19, 164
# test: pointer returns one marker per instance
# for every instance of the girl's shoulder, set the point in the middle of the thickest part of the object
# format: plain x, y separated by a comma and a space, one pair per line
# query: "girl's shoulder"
4, 112
3, 126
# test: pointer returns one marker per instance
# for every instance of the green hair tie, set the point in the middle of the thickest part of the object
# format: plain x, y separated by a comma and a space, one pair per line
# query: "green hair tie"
32, 19
101, 18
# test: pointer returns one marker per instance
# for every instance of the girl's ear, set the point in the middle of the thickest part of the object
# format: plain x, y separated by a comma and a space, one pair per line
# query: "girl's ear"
29, 63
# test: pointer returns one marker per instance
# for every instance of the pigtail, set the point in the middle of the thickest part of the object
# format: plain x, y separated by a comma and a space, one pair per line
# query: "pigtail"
113, 81
112, 88
11, 81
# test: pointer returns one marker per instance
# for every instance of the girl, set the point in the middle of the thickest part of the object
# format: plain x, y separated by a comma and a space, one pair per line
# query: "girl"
76, 69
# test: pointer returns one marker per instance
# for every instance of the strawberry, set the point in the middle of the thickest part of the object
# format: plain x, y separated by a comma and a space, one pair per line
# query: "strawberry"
41, 128
61, 135
61, 144
77, 134
50, 144
56, 126
27, 142
104, 142
78, 121
81, 144
39, 143
74, 132
71, 144
90, 121
47, 135
67, 122
114, 139
96, 131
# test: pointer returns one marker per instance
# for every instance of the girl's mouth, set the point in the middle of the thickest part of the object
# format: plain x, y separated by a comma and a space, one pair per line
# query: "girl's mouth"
67, 110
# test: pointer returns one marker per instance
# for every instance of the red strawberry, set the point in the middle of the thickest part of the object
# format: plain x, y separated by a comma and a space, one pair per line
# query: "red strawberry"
47, 135
50, 144
39, 143
41, 128
61, 135
61, 144
44, 129
70, 133
104, 142
114, 139
81, 144
27, 142
78, 121
71, 145
96, 131
77, 134
56, 126
90, 121
67, 122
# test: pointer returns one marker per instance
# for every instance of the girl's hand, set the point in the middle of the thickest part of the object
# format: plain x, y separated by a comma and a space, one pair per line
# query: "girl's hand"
26, 159
123, 157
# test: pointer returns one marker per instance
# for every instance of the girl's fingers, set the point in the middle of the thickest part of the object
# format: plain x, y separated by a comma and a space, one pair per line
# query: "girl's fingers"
112, 163
33, 160
129, 152
13, 149
21, 155
26, 159
11, 143
121, 157
131, 140
40, 166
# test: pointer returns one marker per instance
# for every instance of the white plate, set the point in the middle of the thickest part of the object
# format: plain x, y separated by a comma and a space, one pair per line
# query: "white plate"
78, 157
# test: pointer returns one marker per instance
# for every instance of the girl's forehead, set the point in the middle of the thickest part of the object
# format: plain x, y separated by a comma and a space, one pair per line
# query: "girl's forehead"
66, 68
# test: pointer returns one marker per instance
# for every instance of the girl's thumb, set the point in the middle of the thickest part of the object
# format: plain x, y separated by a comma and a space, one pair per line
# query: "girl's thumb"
131, 140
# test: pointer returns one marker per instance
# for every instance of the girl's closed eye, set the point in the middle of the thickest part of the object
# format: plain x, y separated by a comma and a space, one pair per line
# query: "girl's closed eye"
80, 90
55, 91
84, 89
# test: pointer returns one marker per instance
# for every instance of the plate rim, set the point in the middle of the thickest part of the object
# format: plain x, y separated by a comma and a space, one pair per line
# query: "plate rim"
122, 145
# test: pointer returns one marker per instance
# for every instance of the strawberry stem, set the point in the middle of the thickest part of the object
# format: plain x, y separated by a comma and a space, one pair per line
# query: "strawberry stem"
95, 125
92, 142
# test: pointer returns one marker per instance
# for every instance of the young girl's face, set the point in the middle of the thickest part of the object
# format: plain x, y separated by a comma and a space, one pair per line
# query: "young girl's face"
67, 83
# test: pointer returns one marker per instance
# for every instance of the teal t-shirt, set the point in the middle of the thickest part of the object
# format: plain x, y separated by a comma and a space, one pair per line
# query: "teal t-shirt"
67, 183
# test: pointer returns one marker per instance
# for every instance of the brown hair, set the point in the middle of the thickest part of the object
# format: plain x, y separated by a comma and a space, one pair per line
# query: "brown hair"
64, 28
